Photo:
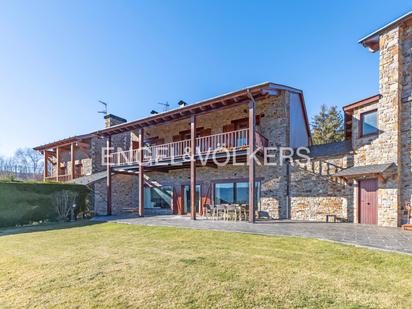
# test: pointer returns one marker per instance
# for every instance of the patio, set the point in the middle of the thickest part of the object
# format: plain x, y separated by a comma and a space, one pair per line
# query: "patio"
370, 236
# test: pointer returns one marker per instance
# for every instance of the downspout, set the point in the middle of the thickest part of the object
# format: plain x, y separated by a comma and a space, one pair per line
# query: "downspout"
288, 175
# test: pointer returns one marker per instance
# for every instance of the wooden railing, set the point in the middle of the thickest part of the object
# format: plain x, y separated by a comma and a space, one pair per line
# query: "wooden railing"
61, 178
231, 141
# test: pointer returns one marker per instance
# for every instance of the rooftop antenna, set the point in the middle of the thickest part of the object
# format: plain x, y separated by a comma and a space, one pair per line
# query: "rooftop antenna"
104, 112
165, 106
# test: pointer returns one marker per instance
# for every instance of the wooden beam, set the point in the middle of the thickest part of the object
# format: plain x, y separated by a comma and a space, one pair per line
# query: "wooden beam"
141, 172
109, 176
252, 167
58, 160
193, 167
46, 161
73, 160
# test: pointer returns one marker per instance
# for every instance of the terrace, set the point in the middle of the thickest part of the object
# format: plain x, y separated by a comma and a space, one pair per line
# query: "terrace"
234, 143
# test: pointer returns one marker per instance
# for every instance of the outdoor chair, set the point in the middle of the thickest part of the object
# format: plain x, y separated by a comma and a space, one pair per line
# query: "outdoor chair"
243, 212
231, 212
207, 211
219, 212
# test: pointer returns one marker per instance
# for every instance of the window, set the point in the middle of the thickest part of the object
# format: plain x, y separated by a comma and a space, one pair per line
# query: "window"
369, 123
235, 193
158, 197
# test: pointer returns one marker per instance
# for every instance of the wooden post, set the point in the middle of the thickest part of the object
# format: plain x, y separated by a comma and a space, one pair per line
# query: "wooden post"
58, 159
46, 170
140, 158
193, 167
252, 167
109, 176
73, 160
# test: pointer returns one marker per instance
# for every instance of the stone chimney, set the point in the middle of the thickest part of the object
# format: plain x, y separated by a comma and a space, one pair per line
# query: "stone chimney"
111, 120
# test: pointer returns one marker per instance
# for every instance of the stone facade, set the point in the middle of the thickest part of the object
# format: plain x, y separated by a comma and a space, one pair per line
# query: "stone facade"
406, 121
274, 115
302, 191
315, 193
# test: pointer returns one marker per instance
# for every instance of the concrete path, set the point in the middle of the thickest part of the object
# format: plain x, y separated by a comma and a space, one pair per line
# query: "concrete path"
383, 238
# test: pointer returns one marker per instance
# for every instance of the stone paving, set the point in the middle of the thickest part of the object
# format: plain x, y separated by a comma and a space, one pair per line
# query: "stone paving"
383, 238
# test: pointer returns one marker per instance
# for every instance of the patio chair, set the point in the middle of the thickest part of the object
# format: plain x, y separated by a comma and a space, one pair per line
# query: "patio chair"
207, 211
231, 212
219, 212
243, 212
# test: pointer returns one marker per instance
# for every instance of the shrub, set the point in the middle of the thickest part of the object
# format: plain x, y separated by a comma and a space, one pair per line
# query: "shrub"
25, 203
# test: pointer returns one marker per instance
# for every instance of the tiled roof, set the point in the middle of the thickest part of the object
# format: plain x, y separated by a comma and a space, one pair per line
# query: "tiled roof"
367, 169
331, 149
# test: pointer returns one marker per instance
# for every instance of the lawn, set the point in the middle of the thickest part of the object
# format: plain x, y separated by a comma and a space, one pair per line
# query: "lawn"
112, 265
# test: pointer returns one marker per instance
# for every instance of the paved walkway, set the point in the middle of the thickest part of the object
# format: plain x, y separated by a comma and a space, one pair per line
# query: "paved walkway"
383, 238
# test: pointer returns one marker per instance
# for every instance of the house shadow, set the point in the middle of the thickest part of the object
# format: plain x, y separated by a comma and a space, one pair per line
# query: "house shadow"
53, 226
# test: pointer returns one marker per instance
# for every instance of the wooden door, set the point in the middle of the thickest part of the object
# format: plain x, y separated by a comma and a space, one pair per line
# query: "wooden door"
368, 201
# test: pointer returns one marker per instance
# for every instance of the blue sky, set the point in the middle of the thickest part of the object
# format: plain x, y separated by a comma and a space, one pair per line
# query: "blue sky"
58, 58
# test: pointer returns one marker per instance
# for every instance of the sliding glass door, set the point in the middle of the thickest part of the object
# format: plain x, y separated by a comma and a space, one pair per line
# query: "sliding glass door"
236, 192
186, 197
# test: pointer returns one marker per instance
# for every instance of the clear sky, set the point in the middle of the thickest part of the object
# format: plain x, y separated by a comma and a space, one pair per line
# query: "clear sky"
58, 58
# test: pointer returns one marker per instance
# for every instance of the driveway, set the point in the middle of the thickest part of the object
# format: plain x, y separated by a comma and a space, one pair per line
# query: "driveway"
383, 238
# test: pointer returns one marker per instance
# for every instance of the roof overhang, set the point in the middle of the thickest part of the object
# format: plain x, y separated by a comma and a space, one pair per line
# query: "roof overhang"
361, 103
372, 40
64, 142
224, 101
227, 100
383, 170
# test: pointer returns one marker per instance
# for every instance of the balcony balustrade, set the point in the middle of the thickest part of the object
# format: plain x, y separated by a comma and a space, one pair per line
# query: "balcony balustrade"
212, 144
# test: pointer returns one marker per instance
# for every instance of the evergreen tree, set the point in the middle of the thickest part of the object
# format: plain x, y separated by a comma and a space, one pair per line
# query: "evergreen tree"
327, 126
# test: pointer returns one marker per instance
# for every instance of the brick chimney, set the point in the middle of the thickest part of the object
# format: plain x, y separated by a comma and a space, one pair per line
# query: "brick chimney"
111, 120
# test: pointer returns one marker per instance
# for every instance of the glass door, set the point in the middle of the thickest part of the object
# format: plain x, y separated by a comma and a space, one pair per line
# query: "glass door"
186, 197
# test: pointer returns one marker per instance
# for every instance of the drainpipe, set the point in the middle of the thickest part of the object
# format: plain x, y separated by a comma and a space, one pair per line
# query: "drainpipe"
288, 189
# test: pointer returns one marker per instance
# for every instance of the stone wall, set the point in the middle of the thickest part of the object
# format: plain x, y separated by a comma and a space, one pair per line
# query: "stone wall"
124, 194
406, 121
314, 193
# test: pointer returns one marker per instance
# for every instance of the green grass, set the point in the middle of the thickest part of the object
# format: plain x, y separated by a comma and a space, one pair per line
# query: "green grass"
116, 266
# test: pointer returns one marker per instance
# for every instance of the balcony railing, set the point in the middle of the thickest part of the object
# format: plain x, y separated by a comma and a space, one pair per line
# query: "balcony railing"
229, 141
61, 178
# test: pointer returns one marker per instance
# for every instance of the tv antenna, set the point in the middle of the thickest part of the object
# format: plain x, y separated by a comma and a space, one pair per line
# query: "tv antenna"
104, 112
165, 106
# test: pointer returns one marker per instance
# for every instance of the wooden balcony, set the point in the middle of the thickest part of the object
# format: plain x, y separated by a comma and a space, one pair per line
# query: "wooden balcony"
232, 142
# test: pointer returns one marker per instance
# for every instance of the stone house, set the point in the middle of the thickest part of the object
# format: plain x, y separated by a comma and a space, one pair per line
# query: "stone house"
157, 164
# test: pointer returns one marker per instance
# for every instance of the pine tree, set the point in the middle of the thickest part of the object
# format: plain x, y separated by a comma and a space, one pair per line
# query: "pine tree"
327, 126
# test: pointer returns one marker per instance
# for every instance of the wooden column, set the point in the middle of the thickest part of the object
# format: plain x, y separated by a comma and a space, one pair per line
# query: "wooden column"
251, 161
193, 167
109, 176
46, 159
140, 158
73, 160
58, 160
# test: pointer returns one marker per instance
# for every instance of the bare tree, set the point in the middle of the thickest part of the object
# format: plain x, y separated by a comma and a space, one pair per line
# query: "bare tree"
31, 159
26, 163
64, 201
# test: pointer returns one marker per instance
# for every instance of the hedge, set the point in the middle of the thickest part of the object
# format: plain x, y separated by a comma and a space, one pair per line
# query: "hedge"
24, 203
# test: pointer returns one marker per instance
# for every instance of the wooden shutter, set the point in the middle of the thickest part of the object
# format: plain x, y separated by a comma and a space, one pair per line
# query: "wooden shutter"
177, 206
228, 127
206, 192
205, 132
160, 141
